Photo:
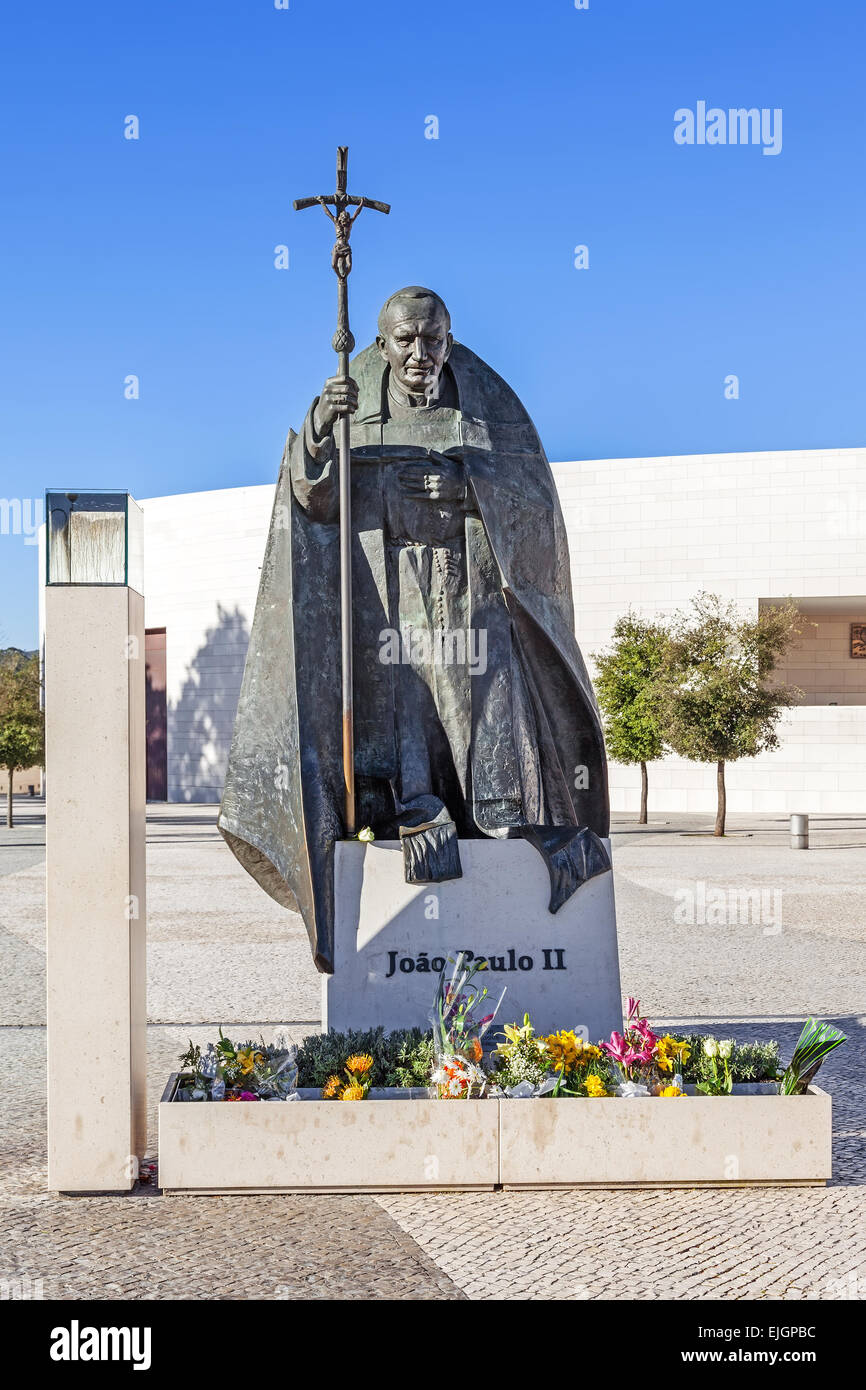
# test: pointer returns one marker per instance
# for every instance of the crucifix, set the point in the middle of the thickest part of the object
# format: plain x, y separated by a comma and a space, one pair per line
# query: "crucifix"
343, 344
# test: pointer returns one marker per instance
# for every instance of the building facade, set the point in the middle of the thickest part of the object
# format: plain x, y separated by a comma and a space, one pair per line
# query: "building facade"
649, 534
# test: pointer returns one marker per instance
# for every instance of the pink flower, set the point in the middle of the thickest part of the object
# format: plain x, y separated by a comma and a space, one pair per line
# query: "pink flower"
645, 1034
633, 1008
617, 1048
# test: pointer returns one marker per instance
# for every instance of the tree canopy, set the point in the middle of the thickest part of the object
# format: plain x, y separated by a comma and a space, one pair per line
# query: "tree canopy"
21, 718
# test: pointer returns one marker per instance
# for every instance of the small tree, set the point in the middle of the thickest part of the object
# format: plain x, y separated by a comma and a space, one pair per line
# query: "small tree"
718, 700
21, 719
626, 685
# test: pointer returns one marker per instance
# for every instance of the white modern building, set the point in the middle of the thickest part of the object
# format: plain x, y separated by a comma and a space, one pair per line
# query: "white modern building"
651, 533
646, 534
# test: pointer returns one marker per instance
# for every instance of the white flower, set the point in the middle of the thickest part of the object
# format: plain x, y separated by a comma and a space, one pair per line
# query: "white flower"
711, 1047
455, 1087
726, 1047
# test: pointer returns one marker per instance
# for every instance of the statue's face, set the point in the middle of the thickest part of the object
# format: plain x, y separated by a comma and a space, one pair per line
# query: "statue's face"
416, 344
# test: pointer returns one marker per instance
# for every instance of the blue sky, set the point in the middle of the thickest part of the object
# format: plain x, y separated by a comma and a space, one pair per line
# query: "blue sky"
155, 257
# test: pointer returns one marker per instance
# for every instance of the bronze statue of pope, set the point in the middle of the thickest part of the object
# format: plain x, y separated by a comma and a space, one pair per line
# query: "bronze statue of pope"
473, 712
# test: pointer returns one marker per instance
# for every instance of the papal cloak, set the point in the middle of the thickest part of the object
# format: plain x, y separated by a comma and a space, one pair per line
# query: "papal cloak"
535, 751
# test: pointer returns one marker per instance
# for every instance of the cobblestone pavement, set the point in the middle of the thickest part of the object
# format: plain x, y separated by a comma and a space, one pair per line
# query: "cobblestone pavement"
221, 952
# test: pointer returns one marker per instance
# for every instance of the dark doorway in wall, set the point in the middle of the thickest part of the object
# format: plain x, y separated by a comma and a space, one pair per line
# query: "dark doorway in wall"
155, 709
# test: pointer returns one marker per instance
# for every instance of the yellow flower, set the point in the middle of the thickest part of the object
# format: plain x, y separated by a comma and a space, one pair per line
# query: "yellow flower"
353, 1092
595, 1086
682, 1049
562, 1047
331, 1087
247, 1058
359, 1063
670, 1091
516, 1033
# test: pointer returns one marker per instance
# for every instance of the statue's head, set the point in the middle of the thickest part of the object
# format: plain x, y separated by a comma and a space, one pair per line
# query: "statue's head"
415, 338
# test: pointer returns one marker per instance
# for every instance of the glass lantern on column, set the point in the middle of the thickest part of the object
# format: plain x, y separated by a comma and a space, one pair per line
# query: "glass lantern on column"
94, 536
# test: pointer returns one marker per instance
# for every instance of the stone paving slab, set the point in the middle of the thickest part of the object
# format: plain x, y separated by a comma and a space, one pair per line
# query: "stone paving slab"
648, 1245
208, 1248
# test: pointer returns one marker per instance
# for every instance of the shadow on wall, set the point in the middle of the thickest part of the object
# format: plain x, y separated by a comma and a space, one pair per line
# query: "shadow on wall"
201, 720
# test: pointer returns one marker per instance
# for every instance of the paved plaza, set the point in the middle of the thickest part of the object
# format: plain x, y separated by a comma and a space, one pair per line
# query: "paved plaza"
221, 952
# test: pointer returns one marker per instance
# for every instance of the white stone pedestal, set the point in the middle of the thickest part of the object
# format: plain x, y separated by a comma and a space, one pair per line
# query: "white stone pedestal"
391, 937
95, 813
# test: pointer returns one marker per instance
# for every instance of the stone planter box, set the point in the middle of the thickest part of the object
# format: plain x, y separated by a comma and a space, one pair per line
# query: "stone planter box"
753, 1136
315, 1145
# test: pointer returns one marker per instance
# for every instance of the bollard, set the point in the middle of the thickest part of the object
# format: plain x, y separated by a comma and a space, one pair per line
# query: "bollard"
799, 832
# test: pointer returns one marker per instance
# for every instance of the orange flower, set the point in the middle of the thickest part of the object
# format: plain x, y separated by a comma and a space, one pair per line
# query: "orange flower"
353, 1092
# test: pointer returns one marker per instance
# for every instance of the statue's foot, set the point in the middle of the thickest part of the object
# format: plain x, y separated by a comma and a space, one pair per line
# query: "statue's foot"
431, 852
572, 856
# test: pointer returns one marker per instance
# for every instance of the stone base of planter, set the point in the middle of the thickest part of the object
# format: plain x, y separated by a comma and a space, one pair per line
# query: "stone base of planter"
314, 1145
751, 1138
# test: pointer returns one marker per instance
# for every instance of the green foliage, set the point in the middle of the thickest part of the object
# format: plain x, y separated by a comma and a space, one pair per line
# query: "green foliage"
717, 695
412, 1059
626, 685
22, 723
755, 1061
21, 719
401, 1058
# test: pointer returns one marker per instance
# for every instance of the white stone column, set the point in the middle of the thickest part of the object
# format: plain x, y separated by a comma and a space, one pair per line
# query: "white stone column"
95, 852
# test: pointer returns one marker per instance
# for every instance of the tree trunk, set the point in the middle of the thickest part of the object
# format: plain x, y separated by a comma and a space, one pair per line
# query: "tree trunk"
644, 787
9, 802
722, 805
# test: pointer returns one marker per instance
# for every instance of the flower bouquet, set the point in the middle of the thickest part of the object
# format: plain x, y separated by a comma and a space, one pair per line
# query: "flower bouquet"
815, 1041
649, 1063
239, 1071
458, 1028
561, 1064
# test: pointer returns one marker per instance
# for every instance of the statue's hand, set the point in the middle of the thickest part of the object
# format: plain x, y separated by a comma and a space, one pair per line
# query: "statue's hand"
339, 397
436, 479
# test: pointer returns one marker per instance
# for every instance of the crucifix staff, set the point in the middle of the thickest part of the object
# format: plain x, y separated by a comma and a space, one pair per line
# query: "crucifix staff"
343, 344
